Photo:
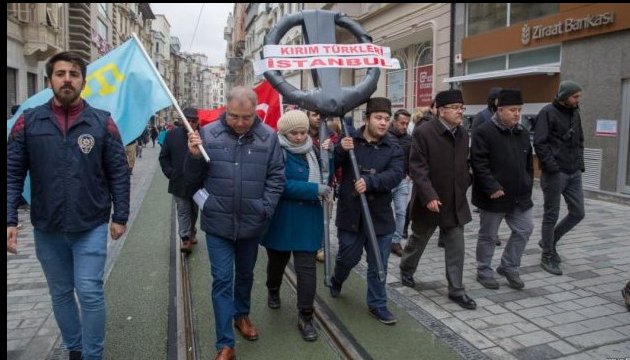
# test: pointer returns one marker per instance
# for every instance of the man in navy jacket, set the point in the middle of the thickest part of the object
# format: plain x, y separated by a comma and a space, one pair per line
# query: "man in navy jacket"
78, 168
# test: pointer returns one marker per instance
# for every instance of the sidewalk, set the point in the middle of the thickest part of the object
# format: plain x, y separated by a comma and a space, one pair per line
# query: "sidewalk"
32, 331
579, 315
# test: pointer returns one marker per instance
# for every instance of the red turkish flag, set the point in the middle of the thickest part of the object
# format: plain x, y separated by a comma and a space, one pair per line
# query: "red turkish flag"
268, 108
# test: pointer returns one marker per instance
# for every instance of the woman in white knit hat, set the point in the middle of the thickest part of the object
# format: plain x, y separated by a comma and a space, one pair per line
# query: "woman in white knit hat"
297, 224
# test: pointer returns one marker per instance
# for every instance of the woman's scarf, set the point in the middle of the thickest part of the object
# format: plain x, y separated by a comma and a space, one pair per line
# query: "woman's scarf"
314, 174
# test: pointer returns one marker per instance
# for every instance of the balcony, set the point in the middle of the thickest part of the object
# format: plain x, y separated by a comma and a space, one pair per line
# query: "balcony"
41, 41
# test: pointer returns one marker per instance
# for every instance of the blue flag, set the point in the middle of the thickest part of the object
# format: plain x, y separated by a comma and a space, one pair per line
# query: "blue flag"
123, 82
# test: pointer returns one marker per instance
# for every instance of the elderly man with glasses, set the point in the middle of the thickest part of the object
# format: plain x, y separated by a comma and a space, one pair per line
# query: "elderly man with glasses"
438, 167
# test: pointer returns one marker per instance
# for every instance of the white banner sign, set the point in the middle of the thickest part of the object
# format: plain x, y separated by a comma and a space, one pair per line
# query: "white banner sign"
318, 62
325, 50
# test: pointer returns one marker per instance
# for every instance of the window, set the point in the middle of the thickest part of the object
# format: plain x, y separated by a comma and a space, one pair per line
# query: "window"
31, 84
51, 15
540, 56
396, 80
522, 12
101, 29
534, 57
102, 9
485, 65
11, 89
484, 17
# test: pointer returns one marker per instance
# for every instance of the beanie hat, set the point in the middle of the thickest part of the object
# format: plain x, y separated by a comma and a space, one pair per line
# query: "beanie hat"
292, 120
567, 88
449, 97
509, 97
379, 104
191, 113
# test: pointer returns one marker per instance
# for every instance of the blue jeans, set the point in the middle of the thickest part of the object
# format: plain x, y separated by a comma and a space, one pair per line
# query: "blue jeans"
400, 197
231, 289
76, 261
351, 246
570, 187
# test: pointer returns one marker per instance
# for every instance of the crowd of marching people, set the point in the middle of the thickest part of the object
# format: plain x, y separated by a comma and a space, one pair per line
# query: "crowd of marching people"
276, 189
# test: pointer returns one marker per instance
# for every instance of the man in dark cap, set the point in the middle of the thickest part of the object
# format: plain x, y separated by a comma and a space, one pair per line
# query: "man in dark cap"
501, 158
559, 145
381, 166
172, 155
438, 196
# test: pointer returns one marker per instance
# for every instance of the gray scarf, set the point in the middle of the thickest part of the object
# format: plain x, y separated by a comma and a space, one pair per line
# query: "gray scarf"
314, 174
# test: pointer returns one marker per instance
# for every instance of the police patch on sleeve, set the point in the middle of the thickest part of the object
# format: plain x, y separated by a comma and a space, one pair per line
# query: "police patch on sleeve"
86, 143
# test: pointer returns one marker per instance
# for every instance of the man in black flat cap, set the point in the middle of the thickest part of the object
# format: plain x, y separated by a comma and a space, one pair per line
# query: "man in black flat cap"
381, 166
172, 156
559, 145
438, 166
501, 158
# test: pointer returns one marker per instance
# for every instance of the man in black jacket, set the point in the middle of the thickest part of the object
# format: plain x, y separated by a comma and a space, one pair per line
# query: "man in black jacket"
381, 164
559, 145
501, 158
172, 155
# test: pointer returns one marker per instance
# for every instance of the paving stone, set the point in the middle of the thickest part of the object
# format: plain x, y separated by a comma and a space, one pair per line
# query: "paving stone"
535, 338
537, 352
563, 347
597, 338
497, 353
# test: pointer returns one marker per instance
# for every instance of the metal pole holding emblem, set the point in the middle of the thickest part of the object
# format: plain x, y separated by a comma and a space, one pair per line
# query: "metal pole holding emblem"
329, 98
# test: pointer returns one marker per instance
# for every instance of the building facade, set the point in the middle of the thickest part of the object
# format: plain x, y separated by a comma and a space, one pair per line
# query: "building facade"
533, 47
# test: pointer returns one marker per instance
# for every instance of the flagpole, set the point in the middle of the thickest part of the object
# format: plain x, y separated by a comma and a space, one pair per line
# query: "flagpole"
168, 91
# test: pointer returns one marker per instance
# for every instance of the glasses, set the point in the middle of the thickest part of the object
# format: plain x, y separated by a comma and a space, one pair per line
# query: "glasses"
455, 107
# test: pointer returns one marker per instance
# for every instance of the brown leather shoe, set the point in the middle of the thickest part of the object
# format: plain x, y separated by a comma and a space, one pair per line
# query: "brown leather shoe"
246, 328
227, 353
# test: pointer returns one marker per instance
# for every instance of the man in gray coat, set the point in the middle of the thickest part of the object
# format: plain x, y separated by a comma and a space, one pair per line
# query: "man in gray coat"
243, 180
438, 166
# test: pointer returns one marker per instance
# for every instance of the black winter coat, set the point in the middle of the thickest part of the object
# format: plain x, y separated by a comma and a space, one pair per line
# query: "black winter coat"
172, 155
501, 159
381, 164
559, 139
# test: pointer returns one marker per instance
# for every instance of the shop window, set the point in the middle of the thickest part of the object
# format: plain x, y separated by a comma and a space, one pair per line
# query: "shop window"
534, 57
484, 65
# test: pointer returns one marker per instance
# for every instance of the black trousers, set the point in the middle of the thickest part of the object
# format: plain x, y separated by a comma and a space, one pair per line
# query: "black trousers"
304, 264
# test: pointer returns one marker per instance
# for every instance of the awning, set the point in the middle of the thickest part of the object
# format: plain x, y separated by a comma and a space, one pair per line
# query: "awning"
548, 69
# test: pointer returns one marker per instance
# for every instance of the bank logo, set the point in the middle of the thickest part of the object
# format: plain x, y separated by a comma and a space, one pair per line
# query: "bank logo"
526, 34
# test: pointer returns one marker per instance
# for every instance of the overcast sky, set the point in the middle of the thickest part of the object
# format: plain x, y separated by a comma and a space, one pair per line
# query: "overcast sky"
208, 39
